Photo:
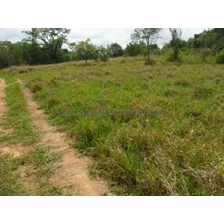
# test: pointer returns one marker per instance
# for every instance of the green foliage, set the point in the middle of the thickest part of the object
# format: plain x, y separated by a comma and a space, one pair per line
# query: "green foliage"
44, 46
175, 44
135, 49
148, 35
103, 54
220, 57
4, 56
48, 41
115, 50
170, 57
10, 54
84, 50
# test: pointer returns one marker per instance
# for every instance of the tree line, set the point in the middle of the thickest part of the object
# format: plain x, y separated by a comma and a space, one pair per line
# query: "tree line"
46, 46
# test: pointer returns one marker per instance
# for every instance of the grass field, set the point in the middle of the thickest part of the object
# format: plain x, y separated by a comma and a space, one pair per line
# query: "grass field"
152, 130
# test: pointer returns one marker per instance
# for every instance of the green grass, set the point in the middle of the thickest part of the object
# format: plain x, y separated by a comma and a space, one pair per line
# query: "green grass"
18, 118
179, 152
45, 163
10, 184
40, 163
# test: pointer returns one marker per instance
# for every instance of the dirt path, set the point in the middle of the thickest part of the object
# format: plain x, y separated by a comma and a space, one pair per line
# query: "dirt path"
73, 173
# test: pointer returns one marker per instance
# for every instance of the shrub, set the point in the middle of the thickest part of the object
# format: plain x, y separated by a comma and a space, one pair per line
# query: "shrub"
104, 58
220, 57
170, 57
35, 86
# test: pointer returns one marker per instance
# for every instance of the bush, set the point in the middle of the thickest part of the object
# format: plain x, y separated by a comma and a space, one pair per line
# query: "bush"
104, 58
170, 57
35, 85
220, 57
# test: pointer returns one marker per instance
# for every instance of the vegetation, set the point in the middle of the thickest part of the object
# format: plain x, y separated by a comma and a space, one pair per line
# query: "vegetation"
115, 50
173, 147
175, 43
220, 57
45, 46
9, 181
47, 40
152, 130
20, 173
38, 166
149, 35
17, 118
84, 50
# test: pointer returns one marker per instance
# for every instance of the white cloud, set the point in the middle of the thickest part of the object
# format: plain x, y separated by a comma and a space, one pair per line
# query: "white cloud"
100, 36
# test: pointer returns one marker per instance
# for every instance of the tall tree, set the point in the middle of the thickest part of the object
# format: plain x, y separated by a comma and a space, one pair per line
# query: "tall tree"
84, 50
115, 50
50, 39
176, 41
10, 54
103, 53
4, 55
31, 47
148, 35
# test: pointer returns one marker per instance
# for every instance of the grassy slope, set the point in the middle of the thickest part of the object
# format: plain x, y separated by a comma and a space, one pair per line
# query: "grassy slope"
178, 153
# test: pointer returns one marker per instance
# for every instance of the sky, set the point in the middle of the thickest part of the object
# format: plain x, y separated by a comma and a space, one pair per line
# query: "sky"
100, 36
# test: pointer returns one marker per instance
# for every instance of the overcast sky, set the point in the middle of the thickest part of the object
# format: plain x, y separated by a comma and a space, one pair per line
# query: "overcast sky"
98, 36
